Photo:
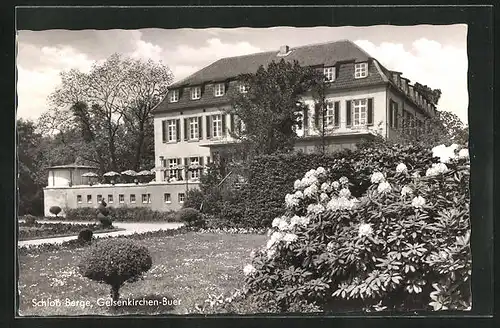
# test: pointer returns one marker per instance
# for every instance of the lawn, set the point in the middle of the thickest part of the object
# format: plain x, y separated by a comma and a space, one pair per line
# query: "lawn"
186, 269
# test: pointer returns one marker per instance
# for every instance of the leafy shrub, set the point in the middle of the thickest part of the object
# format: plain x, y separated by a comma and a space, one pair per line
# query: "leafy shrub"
191, 217
114, 262
55, 210
269, 177
122, 214
30, 219
85, 235
194, 199
105, 221
402, 245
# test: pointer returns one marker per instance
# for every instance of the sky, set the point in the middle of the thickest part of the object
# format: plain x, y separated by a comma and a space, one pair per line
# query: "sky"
433, 55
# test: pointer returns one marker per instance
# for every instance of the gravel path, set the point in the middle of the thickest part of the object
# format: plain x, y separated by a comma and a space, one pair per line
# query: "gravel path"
130, 228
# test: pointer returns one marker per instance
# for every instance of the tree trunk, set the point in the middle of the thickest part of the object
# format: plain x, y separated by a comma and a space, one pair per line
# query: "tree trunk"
138, 149
115, 292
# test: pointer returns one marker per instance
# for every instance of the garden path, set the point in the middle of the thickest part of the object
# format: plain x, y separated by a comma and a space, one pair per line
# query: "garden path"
130, 228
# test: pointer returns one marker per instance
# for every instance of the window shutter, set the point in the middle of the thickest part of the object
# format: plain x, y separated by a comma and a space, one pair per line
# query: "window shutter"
396, 116
164, 130
391, 112
348, 112
200, 127
370, 111
186, 164
178, 129
201, 160
305, 120
179, 172
317, 109
231, 122
223, 118
186, 135
336, 113
207, 121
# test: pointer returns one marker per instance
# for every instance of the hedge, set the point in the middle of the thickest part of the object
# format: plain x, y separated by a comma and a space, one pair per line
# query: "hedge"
270, 177
121, 214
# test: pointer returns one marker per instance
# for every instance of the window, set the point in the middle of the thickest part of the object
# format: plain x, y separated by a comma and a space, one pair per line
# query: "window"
330, 113
132, 198
172, 130
394, 113
217, 126
359, 112
172, 162
121, 198
360, 70
99, 198
193, 128
144, 198
196, 93
79, 199
174, 96
243, 88
167, 198
89, 199
196, 173
219, 89
110, 199
181, 197
329, 73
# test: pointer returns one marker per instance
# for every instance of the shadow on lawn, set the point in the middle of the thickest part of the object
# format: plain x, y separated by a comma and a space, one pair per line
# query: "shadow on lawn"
149, 304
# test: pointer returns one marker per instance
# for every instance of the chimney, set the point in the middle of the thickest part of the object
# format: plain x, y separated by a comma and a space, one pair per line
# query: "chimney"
284, 50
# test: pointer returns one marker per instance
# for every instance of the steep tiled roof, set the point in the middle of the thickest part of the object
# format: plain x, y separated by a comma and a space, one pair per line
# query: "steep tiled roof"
225, 70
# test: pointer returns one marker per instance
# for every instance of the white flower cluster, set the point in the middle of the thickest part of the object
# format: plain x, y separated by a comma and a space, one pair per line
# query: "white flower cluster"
418, 202
311, 191
401, 168
315, 208
249, 270
291, 201
405, 191
299, 221
341, 203
446, 154
377, 177
383, 187
436, 169
365, 229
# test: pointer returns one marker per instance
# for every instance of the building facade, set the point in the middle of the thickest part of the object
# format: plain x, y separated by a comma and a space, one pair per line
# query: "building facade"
364, 99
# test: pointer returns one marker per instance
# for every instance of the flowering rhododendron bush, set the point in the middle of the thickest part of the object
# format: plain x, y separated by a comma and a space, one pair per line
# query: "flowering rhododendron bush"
402, 245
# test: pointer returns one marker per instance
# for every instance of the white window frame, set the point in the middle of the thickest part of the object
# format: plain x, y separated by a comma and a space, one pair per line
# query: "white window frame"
330, 113
195, 93
110, 199
174, 96
360, 110
99, 199
79, 199
149, 198
194, 131
360, 70
144, 198
167, 198
172, 162
121, 198
243, 88
217, 125
132, 201
329, 73
181, 197
219, 89
195, 174
171, 130
89, 199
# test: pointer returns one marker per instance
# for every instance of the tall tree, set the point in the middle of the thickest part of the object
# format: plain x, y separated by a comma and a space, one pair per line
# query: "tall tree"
432, 94
120, 91
270, 109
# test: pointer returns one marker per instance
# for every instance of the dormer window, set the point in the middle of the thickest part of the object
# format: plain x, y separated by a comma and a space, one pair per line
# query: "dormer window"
174, 96
329, 73
243, 88
195, 93
219, 89
360, 70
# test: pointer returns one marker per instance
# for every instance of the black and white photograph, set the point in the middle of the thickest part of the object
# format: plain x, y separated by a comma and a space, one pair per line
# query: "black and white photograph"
248, 170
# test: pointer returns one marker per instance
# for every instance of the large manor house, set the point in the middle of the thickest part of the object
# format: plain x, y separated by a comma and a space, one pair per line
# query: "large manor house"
363, 99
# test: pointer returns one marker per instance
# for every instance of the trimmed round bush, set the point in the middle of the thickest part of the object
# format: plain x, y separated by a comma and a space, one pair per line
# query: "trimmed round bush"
85, 235
115, 262
105, 221
30, 219
191, 217
55, 210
